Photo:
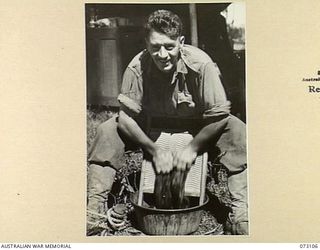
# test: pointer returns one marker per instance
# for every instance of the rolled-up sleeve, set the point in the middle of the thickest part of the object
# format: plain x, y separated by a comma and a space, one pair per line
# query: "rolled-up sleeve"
131, 93
214, 98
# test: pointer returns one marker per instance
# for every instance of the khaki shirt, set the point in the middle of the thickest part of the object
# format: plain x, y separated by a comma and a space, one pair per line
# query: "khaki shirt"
194, 89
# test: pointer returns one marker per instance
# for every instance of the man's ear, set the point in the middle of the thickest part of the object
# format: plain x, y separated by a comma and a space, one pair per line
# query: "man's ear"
181, 40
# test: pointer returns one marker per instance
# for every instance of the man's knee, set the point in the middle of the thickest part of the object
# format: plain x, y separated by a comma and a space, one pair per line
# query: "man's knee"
107, 147
235, 122
232, 145
107, 127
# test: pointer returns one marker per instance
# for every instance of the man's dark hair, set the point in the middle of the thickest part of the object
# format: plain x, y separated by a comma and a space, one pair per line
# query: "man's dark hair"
164, 21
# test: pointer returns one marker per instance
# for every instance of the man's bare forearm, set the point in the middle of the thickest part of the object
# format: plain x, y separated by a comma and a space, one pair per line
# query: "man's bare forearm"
208, 133
131, 129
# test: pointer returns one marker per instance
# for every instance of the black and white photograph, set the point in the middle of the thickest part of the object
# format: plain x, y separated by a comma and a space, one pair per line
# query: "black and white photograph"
153, 124
166, 119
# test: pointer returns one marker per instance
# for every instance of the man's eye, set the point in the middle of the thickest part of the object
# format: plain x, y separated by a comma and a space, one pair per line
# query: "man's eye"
169, 47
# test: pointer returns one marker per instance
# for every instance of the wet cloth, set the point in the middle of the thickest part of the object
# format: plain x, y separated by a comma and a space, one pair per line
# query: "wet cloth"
169, 190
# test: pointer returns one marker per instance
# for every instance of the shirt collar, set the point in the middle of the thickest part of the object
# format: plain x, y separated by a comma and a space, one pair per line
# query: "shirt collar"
181, 68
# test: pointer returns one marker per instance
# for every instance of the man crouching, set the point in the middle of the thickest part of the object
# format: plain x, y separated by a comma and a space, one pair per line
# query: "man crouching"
170, 81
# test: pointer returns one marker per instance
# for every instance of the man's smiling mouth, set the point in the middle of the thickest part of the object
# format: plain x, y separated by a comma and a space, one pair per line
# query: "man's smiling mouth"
164, 61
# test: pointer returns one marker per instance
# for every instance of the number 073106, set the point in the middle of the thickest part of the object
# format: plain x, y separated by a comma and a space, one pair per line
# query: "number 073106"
307, 245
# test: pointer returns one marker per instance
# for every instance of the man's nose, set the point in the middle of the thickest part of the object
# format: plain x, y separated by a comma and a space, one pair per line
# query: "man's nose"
163, 53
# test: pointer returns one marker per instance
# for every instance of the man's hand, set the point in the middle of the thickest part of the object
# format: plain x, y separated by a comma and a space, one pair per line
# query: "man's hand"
183, 158
162, 161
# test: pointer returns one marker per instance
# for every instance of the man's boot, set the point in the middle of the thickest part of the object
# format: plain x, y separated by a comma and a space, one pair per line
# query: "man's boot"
100, 181
237, 221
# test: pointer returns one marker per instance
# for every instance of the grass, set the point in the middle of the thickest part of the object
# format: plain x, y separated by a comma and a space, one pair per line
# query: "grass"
127, 181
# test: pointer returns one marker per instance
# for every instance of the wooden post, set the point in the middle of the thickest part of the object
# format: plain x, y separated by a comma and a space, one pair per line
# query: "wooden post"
193, 24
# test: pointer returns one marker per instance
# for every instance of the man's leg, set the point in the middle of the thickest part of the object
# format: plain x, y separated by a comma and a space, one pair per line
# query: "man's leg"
232, 145
104, 159
237, 221
100, 180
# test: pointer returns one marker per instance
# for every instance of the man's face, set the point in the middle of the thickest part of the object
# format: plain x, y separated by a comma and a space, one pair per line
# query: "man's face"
164, 50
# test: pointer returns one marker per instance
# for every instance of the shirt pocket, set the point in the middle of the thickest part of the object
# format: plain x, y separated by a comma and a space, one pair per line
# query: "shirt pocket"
185, 104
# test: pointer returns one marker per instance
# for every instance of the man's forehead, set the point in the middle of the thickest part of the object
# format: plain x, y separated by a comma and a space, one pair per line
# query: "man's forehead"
161, 38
